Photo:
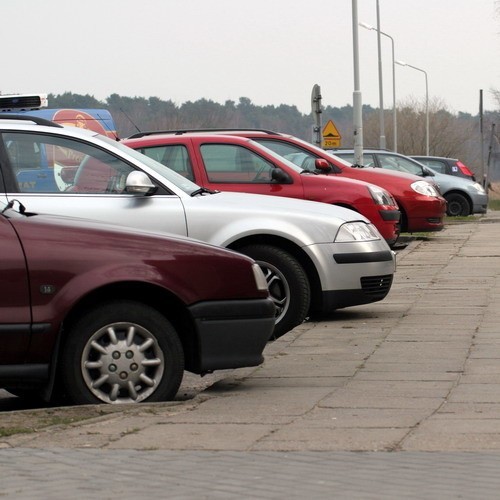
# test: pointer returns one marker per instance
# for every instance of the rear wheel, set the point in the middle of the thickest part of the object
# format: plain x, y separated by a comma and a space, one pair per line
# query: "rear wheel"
457, 204
122, 352
288, 285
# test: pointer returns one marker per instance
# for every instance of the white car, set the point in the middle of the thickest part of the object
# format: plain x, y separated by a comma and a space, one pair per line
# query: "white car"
316, 257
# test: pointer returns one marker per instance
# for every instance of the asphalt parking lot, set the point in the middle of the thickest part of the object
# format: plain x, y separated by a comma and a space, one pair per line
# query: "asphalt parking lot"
395, 399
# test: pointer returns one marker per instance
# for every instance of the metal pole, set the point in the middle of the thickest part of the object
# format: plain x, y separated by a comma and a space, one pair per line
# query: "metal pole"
380, 85
394, 110
357, 103
481, 136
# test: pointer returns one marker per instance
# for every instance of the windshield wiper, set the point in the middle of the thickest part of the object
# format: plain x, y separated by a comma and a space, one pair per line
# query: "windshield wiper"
203, 190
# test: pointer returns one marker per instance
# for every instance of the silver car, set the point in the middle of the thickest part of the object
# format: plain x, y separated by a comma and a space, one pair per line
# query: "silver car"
463, 196
316, 257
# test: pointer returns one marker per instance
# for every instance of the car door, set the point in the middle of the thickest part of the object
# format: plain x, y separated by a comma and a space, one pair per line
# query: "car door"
15, 310
66, 176
224, 167
234, 167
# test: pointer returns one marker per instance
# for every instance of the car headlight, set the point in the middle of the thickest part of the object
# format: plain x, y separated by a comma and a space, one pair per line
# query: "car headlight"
425, 188
357, 231
480, 189
381, 196
260, 279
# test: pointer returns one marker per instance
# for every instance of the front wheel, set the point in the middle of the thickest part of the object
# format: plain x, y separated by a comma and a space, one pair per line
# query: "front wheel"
122, 352
457, 204
288, 285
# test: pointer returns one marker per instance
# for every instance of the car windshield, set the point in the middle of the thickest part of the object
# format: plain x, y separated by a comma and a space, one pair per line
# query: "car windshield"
178, 180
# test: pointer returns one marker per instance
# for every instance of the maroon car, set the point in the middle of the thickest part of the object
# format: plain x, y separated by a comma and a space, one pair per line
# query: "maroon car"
106, 314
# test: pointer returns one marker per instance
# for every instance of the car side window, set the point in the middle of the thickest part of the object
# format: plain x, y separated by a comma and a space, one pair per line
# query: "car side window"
175, 157
367, 160
228, 163
401, 164
436, 165
48, 164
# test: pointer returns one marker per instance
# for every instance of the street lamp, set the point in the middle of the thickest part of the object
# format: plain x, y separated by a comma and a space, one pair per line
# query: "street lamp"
356, 95
401, 63
394, 110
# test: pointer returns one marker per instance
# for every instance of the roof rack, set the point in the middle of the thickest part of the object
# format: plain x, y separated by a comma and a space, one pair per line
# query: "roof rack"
28, 118
187, 130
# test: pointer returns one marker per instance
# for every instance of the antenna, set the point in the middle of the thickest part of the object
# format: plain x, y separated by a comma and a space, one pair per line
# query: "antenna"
131, 121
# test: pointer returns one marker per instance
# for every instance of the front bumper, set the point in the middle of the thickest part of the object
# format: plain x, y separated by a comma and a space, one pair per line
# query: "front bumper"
232, 333
352, 274
424, 213
479, 204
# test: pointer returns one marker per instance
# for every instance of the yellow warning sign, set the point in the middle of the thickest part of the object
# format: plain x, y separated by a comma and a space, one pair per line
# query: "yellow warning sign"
331, 136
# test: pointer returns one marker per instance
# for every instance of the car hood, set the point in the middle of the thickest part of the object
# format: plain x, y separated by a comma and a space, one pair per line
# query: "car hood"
108, 232
225, 217
388, 175
275, 205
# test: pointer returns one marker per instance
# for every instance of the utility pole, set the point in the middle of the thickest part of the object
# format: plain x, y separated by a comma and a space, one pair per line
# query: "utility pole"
316, 111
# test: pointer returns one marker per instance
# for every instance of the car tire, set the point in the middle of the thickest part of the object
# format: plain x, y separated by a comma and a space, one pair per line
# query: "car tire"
457, 205
122, 352
288, 285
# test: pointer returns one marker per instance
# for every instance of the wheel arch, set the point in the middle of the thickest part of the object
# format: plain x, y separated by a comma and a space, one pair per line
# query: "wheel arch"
293, 249
160, 299
464, 194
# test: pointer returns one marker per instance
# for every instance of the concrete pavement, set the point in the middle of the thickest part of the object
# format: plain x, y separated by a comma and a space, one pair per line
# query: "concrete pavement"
416, 373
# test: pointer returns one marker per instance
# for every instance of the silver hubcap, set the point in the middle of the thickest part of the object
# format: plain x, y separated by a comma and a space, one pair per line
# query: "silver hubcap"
122, 363
278, 289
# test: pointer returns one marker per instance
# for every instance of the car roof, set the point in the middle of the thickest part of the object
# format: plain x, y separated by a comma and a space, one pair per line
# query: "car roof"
226, 131
154, 137
434, 157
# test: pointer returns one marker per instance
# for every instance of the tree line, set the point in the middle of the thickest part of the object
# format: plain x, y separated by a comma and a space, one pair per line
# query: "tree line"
455, 135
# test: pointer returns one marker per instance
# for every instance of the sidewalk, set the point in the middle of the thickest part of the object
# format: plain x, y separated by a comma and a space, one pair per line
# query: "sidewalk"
416, 373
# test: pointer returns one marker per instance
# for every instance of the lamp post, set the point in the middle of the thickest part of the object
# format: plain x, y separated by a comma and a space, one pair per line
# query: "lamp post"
356, 95
401, 63
394, 110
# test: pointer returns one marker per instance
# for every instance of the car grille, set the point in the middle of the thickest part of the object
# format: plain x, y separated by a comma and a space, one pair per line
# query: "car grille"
377, 286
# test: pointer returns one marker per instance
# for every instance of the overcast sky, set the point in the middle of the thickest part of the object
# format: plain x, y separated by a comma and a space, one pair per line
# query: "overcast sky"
270, 51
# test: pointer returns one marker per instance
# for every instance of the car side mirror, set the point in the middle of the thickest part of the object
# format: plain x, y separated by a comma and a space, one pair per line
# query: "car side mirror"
322, 165
427, 172
280, 176
139, 183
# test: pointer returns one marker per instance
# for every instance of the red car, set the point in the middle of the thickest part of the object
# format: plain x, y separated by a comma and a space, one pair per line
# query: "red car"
229, 163
422, 207
104, 314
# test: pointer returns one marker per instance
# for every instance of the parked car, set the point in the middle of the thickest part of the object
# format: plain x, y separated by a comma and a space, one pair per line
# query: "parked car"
230, 163
422, 207
316, 257
107, 314
463, 196
450, 166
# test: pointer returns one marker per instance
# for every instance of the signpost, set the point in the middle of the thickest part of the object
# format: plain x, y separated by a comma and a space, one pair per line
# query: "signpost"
331, 136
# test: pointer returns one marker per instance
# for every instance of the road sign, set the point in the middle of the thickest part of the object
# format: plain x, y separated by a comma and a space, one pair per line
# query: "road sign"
331, 136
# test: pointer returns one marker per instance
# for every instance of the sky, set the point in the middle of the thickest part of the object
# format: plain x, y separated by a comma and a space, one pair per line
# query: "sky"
270, 51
